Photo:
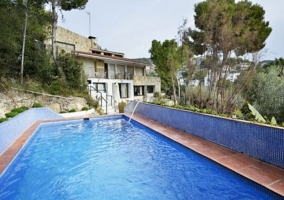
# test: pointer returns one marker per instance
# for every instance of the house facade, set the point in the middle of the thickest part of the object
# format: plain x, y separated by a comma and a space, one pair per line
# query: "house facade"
111, 77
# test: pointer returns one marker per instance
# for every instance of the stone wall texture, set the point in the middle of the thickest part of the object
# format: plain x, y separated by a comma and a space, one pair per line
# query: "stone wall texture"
27, 99
81, 43
148, 80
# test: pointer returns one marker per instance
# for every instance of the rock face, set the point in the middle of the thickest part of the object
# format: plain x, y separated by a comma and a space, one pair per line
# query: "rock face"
55, 103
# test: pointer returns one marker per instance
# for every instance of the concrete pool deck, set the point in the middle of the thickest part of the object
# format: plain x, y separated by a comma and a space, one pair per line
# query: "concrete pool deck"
262, 173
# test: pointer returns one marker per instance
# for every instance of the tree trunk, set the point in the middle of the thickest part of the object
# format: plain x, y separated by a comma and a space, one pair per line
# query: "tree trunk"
53, 40
174, 90
24, 44
214, 78
178, 89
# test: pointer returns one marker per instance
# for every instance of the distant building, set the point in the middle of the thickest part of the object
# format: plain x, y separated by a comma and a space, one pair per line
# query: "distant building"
193, 82
228, 76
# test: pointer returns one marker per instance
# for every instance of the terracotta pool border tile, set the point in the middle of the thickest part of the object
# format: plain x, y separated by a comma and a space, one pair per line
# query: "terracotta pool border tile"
252, 169
267, 175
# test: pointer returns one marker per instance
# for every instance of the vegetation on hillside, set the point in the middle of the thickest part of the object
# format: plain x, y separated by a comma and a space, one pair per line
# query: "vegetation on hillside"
226, 29
228, 36
228, 39
40, 72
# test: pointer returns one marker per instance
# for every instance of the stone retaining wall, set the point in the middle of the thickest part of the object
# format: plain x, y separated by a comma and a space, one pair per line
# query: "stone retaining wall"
55, 103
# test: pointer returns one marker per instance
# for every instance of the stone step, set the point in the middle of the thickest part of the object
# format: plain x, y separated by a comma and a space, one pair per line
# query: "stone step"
110, 110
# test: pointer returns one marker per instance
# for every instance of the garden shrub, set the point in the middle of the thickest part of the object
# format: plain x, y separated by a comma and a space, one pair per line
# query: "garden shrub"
11, 114
58, 87
3, 119
37, 105
85, 108
91, 102
158, 95
20, 110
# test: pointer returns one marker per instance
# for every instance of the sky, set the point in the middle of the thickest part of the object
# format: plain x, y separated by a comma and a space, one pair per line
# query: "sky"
130, 26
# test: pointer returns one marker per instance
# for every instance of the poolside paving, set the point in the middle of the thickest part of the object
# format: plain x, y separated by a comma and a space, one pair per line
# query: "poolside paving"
267, 175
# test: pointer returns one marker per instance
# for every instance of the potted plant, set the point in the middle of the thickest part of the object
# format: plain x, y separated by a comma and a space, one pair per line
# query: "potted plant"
121, 106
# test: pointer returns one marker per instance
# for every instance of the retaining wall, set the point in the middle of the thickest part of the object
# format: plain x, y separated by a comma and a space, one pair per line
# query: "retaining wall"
259, 141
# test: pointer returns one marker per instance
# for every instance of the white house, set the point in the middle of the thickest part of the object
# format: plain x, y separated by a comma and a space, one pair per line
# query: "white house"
229, 76
111, 77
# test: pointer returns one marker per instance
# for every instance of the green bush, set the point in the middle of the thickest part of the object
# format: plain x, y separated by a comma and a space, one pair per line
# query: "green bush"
20, 110
158, 95
73, 70
3, 119
32, 85
11, 114
72, 110
37, 105
238, 114
63, 111
247, 115
85, 108
91, 102
58, 87
24, 108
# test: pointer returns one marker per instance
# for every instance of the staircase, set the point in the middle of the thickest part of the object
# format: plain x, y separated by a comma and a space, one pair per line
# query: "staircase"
108, 105
107, 102
109, 110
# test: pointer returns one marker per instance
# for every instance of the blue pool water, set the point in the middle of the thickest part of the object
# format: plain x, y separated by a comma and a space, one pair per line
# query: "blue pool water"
111, 158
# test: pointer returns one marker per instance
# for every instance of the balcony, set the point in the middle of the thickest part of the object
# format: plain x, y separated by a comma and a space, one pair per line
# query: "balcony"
100, 75
127, 76
97, 75
111, 75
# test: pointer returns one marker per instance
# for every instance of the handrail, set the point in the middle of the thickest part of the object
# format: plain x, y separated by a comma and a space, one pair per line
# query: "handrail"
111, 98
102, 98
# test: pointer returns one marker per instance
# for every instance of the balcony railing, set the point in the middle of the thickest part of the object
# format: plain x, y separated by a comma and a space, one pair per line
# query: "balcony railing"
100, 75
127, 75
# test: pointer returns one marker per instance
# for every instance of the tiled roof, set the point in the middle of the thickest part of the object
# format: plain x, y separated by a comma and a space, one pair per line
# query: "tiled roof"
107, 57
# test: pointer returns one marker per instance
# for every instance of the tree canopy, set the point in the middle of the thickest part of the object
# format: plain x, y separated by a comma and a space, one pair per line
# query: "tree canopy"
38, 65
226, 29
224, 26
11, 35
267, 93
168, 58
64, 5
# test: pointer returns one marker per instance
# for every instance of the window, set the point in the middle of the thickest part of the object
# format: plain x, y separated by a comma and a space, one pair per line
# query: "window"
123, 90
100, 87
150, 89
138, 90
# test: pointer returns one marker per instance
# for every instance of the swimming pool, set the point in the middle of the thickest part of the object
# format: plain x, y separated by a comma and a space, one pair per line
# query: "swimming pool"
110, 158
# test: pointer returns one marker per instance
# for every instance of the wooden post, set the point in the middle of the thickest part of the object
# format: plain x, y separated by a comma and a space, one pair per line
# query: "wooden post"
9, 95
